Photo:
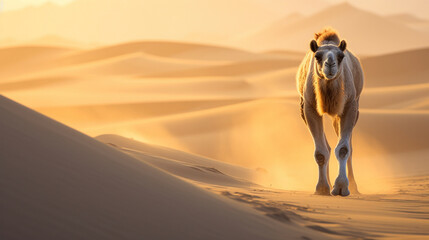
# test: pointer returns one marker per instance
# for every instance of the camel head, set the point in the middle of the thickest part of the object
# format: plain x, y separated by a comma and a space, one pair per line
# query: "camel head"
328, 59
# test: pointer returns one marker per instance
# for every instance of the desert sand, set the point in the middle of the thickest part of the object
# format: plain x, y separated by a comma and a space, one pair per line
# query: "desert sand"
59, 183
160, 139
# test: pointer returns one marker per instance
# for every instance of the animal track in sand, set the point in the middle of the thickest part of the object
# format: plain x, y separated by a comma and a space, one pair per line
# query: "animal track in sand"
286, 213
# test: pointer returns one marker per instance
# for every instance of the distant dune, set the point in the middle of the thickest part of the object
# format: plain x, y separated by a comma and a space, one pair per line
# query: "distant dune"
368, 33
411, 21
22, 60
399, 68
235, 69
88, 115
163, 49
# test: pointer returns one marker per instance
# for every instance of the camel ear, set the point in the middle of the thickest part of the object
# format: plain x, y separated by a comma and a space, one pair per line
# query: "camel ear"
313, 46
343, 45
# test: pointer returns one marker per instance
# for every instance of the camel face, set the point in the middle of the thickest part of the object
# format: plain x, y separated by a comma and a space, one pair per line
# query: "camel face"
328, 61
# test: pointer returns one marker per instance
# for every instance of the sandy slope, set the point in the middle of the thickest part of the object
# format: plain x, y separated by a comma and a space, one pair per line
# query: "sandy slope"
183, 164
401, 214
67, 185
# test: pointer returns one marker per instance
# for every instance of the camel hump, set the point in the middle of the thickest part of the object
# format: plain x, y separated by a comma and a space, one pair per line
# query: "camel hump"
327, 35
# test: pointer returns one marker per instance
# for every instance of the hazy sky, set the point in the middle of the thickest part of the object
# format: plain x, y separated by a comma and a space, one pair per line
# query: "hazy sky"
417, 7
16, 4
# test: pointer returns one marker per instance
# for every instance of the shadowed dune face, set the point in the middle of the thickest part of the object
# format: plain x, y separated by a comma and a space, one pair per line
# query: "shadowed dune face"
67, 179
230, 105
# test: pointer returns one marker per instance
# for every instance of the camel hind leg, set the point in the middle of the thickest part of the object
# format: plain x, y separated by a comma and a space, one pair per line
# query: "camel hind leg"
301, 104
327, 164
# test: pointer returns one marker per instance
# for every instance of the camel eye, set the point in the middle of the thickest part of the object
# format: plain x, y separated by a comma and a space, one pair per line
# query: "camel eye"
318, 57
340, 57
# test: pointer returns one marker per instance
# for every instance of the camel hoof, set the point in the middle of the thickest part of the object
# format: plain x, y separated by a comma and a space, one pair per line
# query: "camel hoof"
353, 188
323, 189
341, 187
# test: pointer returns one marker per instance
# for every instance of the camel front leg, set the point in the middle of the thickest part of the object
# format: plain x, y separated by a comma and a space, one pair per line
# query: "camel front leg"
350, 175
322, 149
352, 182
343, 150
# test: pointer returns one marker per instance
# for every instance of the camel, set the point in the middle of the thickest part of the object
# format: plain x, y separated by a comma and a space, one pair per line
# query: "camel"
330, 80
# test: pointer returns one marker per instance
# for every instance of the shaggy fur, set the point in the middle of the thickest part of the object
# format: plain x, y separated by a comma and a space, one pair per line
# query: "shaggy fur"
330, 97
327, 35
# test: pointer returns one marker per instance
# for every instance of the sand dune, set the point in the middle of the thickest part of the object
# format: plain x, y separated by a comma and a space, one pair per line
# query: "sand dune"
236, 116
33, 82
223, 132
393, 96
137, 58
289, 54
173, 50
22, 60
68, 185
95, 192
183, 164
234, 69
396, 215
402, 68
135, 64
88, 115
402, 215
111, 67
396, 130
278, 81
99, 91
